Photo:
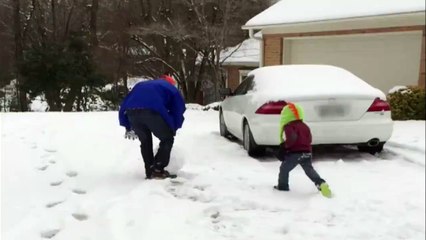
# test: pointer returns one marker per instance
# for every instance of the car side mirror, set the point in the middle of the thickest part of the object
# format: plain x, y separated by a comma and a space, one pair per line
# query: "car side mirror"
224, 92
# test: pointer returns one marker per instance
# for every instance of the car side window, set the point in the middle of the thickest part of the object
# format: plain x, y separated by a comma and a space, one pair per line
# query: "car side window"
245, 86
240, 88
250, 86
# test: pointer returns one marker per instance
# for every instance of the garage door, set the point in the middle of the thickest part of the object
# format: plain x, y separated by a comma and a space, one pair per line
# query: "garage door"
384, 61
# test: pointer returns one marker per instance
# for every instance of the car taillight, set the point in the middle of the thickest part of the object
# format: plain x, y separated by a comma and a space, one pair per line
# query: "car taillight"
379, 105
271, 108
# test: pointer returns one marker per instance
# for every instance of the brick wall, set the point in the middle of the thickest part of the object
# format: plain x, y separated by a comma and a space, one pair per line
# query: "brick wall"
422, 74
273, 50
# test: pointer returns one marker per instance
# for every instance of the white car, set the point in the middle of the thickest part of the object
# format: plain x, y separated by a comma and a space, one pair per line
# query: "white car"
340, 108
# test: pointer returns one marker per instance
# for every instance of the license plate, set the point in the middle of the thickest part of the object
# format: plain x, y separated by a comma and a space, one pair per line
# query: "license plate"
331, 111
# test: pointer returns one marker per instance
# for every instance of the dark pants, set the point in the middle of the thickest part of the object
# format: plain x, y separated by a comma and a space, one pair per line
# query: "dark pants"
291, 160
145, 123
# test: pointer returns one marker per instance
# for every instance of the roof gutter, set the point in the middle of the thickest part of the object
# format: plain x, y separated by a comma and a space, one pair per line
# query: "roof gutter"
251, 34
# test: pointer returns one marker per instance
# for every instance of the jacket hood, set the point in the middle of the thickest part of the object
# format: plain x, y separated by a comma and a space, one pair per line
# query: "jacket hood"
291, 112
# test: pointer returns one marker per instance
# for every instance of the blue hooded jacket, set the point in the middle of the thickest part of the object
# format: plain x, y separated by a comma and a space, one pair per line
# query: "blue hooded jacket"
159, 96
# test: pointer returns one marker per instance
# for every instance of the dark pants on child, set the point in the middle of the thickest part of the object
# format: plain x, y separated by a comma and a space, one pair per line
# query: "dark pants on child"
290, 161
146, 122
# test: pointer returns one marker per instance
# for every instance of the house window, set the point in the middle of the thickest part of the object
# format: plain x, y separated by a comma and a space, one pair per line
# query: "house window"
243, 74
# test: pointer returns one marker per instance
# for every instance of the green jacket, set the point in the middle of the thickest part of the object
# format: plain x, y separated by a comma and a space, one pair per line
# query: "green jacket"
287, 116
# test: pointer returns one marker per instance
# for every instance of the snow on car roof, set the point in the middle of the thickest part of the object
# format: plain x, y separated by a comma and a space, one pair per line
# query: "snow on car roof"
293, 82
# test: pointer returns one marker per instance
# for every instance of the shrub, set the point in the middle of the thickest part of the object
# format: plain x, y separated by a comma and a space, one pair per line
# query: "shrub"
408, 103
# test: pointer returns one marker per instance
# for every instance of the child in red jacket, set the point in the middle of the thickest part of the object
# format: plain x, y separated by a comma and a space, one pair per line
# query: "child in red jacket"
296, 149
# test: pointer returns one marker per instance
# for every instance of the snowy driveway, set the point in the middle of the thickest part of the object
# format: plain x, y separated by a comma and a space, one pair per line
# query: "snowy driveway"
73, 176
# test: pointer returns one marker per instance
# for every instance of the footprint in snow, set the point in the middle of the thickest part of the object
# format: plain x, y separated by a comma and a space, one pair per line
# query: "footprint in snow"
71, 173
50, 150
56, 183
80, 216
187, 192
79, 191
285, 230
49, 233
200, 188
53, 204
215, 217
43, 168
52, 161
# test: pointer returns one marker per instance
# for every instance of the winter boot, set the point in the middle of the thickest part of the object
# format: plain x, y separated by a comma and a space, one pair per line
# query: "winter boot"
162, 174
324, 189
281, 188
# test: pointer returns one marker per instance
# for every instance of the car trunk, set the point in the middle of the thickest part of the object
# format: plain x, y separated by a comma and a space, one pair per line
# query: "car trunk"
335, 108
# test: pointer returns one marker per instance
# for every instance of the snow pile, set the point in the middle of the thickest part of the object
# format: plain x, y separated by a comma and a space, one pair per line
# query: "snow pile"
297, 11
293, 82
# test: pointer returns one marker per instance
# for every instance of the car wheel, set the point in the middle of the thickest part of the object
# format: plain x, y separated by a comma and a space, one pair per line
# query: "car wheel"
249, 144
222, 126
371, 149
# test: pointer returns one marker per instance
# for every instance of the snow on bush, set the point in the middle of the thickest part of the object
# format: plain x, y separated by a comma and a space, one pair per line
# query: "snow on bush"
39, 105
194, 106
212, 106
408, 104
397, 88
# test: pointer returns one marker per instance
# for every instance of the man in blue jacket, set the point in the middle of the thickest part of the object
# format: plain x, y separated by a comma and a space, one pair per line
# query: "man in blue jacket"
153, 107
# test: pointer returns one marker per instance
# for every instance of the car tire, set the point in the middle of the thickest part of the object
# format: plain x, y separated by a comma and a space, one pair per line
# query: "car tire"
222, 126
372, 150
249, 144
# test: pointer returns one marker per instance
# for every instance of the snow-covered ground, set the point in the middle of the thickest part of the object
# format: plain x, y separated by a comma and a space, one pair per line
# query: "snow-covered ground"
408, 140
73, 176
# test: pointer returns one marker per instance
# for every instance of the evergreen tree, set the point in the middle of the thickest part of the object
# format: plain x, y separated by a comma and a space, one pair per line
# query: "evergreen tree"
63, 72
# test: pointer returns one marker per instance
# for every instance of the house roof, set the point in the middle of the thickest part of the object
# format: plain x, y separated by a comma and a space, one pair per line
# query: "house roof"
243, 54
303, 11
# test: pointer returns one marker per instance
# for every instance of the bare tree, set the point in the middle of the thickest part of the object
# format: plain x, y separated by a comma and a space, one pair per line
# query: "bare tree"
22, 95
93, 23
133, 37
186, 37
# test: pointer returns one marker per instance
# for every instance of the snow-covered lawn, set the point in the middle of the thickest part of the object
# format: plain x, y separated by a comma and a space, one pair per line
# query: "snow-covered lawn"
408, 140
73, 176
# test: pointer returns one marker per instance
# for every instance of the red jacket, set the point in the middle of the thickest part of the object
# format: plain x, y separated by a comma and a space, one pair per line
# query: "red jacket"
298, 137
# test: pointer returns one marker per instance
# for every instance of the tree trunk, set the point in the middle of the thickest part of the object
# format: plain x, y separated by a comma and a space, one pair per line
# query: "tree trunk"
53, 9
22, 95
93, 23
67, 24
191, 96
51, 99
